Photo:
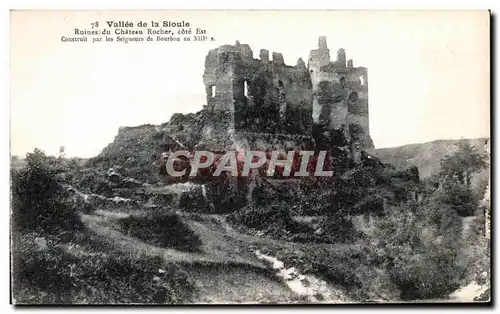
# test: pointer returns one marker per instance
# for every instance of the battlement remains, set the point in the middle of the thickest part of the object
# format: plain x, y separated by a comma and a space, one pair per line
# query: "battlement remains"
269, 97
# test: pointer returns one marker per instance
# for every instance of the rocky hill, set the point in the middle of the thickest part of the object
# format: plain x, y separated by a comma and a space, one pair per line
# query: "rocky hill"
137, 149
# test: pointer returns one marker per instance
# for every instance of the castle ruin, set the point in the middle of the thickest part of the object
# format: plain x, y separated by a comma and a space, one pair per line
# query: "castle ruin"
340, 94
268, 101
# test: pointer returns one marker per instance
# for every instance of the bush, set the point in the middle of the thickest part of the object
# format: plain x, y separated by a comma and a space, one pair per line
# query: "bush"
274, 221
336, 266
477, 259
339, 228
460, 197
39, 202
94, 181
160, 228
58, 276
421, 243
193, 200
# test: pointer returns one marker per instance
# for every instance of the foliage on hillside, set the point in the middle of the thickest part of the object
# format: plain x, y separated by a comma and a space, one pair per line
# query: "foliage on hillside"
84, 270
163, 229
423, 242
420, 244
39, 201
426, 156
56, 260
416, 249
463, 163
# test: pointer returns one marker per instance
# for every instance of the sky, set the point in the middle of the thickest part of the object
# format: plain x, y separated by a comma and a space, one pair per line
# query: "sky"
429, 71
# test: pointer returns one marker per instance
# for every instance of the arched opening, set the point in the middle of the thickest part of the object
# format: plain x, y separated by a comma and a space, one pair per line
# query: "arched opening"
213, 91
245, 89
362, 80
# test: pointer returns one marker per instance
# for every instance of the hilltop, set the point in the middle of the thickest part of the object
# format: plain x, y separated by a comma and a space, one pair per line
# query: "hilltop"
425, 156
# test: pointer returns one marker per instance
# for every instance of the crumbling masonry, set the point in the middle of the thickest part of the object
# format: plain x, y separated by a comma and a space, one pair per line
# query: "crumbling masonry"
262, 98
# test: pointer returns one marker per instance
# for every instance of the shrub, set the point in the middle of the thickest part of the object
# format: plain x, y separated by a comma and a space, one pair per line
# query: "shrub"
458, 196
351, 270
161, 228
421, 243
463, 163
39, 202
94, 181
58, 276
193, 200
477, 257
274, 221
339, 228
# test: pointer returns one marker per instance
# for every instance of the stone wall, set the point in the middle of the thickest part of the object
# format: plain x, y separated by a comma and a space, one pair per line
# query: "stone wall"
266, 96
340, 94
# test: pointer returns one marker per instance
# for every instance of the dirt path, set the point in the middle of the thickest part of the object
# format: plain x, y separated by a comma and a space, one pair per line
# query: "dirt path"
468, 293
257, 242
307, 286
225, 272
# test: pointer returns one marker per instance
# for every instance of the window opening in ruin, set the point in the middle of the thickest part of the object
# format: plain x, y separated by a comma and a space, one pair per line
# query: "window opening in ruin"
342, 82
362, 80
213, 91
245, 90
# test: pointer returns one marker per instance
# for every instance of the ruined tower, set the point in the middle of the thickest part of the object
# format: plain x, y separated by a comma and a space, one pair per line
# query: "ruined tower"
263, 101
260, 96
340, 94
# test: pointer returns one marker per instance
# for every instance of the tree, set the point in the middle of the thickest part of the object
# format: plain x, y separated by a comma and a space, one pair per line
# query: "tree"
459, 196
39, 202
463, 163
420, 244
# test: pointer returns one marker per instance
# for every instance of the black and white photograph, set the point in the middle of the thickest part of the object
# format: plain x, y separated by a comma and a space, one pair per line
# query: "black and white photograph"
247, 157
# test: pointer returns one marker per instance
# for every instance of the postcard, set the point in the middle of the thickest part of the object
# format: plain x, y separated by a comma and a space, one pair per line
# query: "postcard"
250, 157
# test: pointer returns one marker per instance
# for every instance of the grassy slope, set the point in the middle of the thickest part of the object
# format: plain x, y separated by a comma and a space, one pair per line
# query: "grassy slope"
85, 268
226, 271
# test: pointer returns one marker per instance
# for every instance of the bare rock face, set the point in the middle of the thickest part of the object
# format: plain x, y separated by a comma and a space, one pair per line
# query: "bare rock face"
136, 151
132, 149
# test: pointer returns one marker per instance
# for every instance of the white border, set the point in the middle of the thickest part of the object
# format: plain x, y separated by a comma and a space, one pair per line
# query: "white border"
184, 4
